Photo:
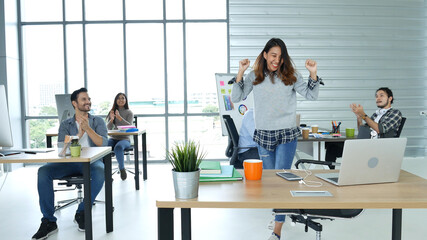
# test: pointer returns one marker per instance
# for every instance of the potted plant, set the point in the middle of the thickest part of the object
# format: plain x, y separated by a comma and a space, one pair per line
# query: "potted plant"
185, 158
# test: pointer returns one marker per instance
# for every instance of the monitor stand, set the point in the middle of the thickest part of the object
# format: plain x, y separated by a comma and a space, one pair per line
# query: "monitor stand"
8, 152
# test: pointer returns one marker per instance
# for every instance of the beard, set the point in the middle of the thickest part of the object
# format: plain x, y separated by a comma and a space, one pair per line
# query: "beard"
383, 105
83, 108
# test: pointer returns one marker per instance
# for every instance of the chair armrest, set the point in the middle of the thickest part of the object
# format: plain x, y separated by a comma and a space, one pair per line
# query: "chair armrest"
326, 163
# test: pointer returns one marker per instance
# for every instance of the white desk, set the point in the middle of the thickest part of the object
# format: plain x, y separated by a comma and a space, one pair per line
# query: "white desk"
88, 155
143, 133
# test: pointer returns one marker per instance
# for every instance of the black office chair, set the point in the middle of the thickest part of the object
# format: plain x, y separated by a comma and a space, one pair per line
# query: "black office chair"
69, 181
306, 216
232, 150
366, 132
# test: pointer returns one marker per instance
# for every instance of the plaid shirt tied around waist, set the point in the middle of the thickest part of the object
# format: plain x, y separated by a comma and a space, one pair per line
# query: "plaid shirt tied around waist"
269, 139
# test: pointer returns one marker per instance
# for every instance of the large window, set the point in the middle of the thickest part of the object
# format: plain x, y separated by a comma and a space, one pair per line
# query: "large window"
162, 54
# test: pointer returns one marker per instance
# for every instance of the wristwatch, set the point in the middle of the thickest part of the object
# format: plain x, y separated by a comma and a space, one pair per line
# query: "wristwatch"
364, 117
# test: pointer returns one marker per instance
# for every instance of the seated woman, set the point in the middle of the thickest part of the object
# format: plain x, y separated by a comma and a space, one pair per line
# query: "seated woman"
120, 115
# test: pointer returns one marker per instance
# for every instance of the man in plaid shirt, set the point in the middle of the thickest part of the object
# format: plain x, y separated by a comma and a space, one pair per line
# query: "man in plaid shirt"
384, 123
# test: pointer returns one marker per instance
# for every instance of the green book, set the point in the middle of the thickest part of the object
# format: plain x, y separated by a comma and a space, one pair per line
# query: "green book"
236, 177
210, 167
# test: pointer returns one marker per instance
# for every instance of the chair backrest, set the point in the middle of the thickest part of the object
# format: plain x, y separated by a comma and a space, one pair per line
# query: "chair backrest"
233, 139
365, 131
231, 129
402, 123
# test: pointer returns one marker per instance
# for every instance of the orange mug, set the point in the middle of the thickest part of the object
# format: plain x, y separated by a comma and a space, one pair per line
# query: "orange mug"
253, 169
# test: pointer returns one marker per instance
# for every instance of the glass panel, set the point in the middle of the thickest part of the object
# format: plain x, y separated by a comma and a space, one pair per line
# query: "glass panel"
173, 9
38, 128
207, 131
145, 68
75, 63
174, 41
43, 65
176, 130
73, 10
156, 137
205, 9
38, 11
104, 9
201, 87
104, 64
144, 10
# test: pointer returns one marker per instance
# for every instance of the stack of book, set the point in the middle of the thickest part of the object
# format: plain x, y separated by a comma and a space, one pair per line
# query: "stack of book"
127, 128
213, 171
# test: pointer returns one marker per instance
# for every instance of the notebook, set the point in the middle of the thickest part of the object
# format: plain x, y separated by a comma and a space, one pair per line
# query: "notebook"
367, 161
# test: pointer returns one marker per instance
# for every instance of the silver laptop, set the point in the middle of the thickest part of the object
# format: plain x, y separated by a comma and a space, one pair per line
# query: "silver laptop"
366, 161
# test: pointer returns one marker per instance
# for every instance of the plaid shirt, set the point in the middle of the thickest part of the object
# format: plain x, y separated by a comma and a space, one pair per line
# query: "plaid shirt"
269, 139
389, 122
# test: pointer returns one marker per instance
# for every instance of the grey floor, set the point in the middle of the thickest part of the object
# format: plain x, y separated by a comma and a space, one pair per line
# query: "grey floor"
135, 215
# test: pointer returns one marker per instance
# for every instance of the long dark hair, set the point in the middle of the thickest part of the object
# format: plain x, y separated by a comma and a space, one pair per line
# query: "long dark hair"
115, 106
286, 72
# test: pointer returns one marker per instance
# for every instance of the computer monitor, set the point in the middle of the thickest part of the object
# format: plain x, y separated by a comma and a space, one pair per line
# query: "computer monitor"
5, 128
64, 106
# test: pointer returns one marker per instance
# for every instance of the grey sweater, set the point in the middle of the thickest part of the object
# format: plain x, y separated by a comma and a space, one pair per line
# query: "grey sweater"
274, 103
127, 116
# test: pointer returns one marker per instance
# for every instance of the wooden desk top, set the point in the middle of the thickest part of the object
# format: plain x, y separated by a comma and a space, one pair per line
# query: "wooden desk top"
88, 154
326, 138
274, 192
110, 133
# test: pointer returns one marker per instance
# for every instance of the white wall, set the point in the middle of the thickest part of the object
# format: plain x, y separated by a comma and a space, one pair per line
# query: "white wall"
359, 45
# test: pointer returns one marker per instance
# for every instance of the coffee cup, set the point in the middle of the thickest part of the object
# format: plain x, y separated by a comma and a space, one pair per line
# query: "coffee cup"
305, 133
314, 129
75, 151
349, 132
252, 169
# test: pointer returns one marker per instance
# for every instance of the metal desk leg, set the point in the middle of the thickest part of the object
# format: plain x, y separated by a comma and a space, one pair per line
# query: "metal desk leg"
136, 154
396, 231
49, 141
165, 224
186, 223
108, 193
144, 155
87, 201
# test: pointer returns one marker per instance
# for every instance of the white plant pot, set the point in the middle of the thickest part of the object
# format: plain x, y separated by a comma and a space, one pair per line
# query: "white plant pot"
186, 184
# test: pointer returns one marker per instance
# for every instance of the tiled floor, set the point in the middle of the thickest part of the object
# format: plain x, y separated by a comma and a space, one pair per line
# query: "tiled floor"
135, 215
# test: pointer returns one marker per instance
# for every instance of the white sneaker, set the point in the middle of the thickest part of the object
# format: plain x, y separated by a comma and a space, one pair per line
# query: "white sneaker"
273, 237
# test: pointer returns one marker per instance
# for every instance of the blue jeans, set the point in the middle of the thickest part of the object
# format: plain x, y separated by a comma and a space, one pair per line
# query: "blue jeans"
50, 171
281, 158
119, 146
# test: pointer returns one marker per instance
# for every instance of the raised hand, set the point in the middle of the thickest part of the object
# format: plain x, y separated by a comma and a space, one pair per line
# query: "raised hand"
118, 115
357, 109
83, 122
111, 115
244, 64
311, 66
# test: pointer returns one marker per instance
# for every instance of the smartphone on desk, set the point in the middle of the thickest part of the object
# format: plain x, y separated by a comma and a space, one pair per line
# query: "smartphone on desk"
288, 176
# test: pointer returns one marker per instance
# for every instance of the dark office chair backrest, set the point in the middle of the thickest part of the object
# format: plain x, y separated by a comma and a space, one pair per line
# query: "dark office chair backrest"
365, 131
402, 123
233, 139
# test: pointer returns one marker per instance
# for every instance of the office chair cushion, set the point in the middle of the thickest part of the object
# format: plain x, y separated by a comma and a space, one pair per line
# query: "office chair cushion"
338, 213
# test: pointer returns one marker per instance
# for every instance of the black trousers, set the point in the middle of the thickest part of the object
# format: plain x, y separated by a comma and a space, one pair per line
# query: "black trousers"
333, 151
252, 153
